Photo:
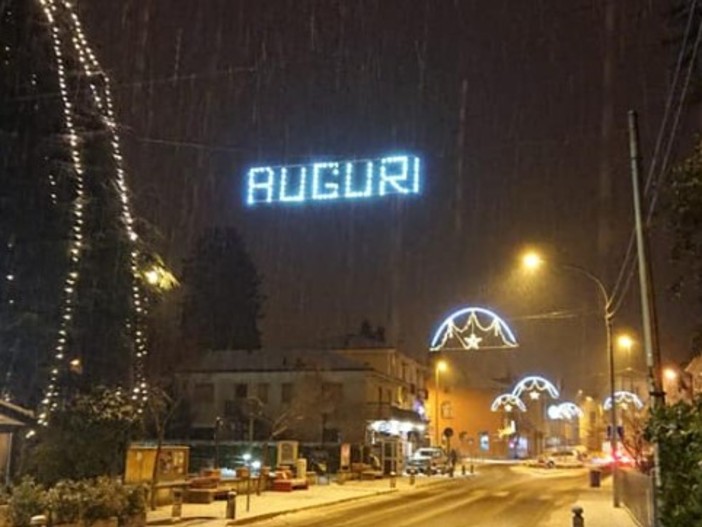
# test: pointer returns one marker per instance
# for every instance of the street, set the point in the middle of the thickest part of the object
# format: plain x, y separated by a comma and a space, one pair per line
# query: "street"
496, 497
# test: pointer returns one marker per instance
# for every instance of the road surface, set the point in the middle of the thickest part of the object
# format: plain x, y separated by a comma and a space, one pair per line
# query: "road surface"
496, 497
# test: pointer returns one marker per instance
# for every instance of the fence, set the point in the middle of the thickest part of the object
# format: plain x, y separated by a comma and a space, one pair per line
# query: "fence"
636, 492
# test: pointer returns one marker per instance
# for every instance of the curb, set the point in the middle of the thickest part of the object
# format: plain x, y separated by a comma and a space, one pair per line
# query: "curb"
269, 515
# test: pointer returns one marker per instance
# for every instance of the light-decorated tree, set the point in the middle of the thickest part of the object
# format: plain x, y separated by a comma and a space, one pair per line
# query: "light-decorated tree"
34, 196
69, 220
72, 306
87, 437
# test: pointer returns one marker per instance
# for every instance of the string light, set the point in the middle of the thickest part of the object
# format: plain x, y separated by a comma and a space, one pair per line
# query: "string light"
507, 402
495, 332
66, 32
398, 174
534, 385
624, 399
564, 411
325, 188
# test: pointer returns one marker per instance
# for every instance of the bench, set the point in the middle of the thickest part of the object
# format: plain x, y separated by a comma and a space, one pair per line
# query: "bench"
365, 471
284, 482
288, 485
200, 495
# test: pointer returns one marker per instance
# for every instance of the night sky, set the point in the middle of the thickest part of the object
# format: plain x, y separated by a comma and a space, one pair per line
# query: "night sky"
518, 110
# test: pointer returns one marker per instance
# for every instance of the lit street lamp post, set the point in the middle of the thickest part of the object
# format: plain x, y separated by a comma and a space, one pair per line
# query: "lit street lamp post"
532, 261
440, 366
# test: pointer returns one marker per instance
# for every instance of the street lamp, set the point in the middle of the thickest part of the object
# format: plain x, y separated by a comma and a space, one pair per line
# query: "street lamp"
440, 367
532, 260
625, 342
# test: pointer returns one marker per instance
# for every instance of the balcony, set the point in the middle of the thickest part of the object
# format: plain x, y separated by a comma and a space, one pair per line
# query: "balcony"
388, 411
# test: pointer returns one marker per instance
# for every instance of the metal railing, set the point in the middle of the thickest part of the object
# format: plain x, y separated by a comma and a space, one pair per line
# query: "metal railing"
636, 493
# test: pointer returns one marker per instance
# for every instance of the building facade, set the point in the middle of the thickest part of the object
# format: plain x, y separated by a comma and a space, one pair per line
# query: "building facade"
351, 395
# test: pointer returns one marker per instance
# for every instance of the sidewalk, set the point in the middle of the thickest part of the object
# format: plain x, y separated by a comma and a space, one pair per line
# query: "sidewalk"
598, 510
270, 504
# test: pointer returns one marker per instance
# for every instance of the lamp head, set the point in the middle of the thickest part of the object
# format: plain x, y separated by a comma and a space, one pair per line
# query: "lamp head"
625, 341
532, 260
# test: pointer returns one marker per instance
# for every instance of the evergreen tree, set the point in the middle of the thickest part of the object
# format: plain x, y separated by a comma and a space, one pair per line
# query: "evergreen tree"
34, 189
39, 193
684, 211
223, 302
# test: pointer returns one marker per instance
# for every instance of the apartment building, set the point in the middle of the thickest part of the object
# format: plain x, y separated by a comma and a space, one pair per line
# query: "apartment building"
312, 395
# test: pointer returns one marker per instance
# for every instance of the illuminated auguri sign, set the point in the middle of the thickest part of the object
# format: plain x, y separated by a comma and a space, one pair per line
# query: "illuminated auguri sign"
335, 180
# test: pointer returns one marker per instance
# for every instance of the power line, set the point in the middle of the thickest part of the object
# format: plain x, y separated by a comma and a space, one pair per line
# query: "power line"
173, 79
626, 271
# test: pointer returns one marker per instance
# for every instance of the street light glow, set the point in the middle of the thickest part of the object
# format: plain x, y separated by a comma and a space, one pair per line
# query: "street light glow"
152, 276
532, 260
441, 366
670, 374
625, 341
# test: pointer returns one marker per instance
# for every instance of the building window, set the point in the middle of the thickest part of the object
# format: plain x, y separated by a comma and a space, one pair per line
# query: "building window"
241, 391
286, 392
380, 395
263, 392
446, 410
203, 393
232, 409
332, 391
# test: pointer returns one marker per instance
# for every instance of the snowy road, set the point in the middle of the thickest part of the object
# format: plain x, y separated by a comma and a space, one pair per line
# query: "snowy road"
497, 497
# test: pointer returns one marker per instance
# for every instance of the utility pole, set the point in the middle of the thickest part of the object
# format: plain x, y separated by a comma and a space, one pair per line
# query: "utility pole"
648, 306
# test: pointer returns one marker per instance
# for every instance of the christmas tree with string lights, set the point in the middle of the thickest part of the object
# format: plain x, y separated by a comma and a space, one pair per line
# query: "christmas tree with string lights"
33, 204
64, 188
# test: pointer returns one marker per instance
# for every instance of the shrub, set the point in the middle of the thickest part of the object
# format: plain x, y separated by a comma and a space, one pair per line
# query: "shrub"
28, 499
135, 501
65, 501
103, 499
678, 431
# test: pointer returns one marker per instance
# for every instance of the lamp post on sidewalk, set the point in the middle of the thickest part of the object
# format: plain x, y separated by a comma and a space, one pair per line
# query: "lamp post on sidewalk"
439, 367
533, 261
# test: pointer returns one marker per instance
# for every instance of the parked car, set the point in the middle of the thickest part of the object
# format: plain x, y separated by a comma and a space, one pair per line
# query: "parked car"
429, 460
566, 458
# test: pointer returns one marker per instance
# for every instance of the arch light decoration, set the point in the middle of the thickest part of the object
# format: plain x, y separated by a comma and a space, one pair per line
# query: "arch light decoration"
564, 411
624, 399
535, 385
473, 328
508, 402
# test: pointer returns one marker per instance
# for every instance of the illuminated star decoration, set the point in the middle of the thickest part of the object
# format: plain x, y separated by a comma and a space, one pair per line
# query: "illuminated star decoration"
473, 342
507, 402
473, 328
75, 60
623, 399
534, 385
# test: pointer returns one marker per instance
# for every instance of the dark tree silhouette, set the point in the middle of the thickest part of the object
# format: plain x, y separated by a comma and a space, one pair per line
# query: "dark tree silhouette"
222, 299
33, 211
